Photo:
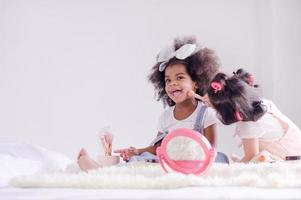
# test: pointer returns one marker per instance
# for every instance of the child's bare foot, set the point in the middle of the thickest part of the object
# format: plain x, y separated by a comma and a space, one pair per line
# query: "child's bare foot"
85, 162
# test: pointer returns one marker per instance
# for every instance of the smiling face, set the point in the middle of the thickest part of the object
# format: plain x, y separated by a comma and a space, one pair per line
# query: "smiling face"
178, 83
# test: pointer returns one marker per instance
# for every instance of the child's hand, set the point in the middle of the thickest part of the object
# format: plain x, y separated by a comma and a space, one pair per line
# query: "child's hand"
206, 100
127, 153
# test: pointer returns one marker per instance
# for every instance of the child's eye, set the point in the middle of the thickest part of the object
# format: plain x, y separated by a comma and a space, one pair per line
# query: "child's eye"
167, 80
180, 77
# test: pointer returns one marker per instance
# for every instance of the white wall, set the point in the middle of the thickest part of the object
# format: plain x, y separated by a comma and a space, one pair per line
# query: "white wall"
68, 68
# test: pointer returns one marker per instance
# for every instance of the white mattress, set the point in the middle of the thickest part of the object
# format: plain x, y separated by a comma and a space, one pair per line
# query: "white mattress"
10, 193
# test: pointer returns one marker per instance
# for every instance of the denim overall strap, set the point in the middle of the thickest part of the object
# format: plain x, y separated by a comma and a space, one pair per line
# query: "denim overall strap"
199, 122
199, 127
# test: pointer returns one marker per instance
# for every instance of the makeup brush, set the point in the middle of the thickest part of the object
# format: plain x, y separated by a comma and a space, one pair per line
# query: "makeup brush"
195, 95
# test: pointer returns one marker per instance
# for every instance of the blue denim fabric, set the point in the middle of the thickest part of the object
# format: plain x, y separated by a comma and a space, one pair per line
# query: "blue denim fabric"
199, 127
149, 157
221, 158
145, 156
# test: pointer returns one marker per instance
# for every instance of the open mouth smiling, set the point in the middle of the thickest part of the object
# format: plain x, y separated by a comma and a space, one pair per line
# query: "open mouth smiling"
176, 93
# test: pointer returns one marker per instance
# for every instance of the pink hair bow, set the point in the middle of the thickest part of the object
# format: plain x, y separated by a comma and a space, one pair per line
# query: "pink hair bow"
250, 79
238, 116
217, 86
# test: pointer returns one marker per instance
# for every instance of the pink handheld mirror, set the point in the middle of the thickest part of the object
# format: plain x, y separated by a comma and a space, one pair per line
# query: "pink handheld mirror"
186, 151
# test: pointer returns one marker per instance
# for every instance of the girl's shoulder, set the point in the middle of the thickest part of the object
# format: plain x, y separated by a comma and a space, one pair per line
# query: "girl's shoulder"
209, 111
210, 116
274, 110
167, 112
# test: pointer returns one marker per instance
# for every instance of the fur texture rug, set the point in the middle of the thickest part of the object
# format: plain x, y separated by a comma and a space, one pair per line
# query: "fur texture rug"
151, 176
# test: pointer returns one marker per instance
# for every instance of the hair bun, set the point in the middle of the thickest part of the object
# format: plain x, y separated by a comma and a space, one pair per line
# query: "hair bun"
245, 76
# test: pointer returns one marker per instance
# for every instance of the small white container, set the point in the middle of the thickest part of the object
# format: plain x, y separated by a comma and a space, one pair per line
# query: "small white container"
105, 161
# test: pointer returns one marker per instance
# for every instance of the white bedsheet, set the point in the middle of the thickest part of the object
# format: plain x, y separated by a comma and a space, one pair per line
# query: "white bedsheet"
19, 158
182, 193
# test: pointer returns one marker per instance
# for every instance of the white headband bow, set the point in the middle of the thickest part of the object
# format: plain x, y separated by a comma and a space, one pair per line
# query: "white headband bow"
167, 53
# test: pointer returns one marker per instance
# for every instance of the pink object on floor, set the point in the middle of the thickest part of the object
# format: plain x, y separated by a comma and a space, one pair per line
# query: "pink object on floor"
196, 166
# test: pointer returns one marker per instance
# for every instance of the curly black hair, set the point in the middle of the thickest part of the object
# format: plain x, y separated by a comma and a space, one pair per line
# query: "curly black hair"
201, 66
236, 96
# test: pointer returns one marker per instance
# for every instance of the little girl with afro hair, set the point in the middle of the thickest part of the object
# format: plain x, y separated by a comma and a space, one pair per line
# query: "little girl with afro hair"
181, 68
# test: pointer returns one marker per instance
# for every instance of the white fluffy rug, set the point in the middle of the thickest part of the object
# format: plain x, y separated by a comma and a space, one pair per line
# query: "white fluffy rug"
151, 176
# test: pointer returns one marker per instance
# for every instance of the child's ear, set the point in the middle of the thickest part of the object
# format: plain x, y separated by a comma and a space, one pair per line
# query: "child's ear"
196, 86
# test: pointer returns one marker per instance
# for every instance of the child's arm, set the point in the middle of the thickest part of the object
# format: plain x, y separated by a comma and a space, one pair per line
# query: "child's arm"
127, 153
210, 134
251, 148
150, 149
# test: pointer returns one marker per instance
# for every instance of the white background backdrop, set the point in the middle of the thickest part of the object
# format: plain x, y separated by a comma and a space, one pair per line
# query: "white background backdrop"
69, 68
